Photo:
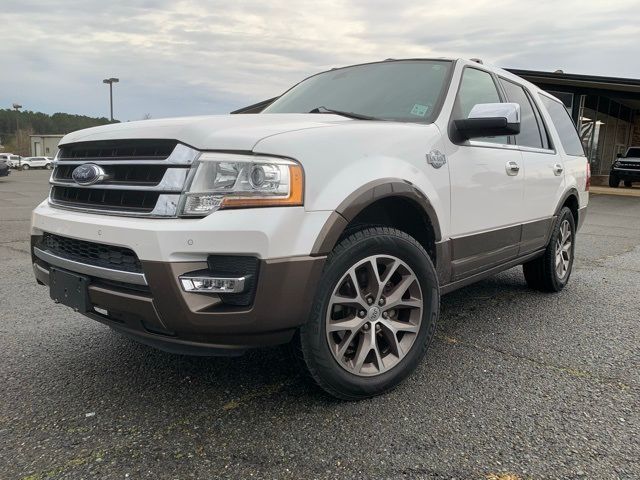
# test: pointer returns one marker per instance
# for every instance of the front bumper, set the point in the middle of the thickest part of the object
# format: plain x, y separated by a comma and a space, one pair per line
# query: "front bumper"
630, 174
164, 316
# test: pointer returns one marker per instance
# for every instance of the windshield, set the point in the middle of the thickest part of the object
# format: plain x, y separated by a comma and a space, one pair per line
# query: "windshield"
633, 153
405, 91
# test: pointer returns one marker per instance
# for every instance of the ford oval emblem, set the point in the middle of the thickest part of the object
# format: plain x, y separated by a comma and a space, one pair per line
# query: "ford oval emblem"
88, 174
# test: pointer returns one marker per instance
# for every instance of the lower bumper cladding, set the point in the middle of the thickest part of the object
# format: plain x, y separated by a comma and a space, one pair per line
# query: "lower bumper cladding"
255, 303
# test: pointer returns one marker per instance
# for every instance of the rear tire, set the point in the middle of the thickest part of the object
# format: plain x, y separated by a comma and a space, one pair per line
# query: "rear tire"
628, 183
364, 338
551, 272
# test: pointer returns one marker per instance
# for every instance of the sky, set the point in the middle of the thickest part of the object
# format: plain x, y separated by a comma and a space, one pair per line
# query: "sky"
187, 57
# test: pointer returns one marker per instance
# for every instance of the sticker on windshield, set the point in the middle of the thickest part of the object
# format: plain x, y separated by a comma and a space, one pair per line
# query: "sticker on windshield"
419, 110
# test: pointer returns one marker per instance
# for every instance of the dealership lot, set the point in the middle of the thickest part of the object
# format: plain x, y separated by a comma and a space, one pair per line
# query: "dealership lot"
540, 386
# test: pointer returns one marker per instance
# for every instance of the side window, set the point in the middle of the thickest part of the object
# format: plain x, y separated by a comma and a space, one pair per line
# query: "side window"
564, 126
476, 86
529, 135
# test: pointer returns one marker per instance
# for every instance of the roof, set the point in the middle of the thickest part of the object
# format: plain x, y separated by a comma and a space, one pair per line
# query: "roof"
48, 136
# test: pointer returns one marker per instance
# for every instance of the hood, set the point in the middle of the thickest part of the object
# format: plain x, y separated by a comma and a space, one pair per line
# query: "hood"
215, 132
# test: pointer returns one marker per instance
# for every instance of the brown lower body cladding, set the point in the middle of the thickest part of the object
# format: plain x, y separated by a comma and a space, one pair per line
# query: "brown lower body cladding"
166, 317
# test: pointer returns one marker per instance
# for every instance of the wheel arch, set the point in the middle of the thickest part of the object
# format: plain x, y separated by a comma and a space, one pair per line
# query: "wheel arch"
397, 203
570, 199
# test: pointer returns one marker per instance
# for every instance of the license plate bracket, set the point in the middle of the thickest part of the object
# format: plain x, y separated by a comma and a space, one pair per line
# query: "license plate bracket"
69, 289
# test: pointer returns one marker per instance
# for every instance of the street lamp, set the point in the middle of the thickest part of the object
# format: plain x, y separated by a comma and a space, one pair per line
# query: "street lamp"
17, 107
111, 81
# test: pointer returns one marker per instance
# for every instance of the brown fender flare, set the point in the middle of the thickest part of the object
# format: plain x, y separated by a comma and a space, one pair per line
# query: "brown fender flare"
360, 199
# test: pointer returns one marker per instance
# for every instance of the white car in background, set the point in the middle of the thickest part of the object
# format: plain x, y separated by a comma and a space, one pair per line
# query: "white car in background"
12, 160
36, 162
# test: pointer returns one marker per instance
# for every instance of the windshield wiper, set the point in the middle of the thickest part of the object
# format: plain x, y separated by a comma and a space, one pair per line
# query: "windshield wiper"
358, 116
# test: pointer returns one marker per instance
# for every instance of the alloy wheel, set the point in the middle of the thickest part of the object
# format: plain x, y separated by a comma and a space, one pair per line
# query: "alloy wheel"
563, 249
374, 315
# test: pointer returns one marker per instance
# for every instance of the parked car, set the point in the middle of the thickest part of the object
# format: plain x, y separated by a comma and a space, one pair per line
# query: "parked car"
36, 162
4, 167
626, 168
334, 219
12, 160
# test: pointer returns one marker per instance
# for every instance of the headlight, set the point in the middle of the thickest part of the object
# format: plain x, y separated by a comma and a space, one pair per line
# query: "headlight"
234, 181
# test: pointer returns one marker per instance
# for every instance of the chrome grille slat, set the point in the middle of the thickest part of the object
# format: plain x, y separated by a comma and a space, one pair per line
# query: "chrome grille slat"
172, 181
142, 186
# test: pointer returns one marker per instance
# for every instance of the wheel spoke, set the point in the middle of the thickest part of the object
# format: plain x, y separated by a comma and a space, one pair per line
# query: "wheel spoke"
395, 297
397, 326
347, 324
357, 302
364, 347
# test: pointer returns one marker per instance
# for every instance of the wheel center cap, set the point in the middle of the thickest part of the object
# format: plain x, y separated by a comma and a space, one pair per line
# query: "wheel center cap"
374, 313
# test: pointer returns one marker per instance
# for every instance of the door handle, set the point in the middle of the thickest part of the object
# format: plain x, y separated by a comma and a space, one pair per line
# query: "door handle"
512, 168
557, 169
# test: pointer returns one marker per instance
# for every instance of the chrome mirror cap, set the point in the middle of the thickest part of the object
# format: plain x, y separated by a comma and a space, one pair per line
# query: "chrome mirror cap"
510, 111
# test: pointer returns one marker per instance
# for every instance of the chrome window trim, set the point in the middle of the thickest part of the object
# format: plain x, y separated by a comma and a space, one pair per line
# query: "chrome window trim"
504, 146
92, 270
173, 180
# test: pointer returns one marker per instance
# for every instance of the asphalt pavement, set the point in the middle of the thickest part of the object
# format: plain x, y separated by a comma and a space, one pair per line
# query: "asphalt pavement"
517, 384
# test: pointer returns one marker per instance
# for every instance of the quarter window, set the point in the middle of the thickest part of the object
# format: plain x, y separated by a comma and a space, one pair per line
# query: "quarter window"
564, 126
476, 87
529, 135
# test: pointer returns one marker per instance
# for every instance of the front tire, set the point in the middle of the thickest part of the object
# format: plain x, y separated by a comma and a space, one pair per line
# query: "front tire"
48, 166
373, 316
628, 183
25, 167
551, 272
614, 181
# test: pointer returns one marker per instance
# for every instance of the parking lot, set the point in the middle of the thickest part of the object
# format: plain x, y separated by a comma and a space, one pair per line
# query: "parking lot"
517, 382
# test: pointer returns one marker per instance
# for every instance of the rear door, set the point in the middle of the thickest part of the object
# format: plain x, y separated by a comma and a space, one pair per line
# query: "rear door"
543, 169
486, 193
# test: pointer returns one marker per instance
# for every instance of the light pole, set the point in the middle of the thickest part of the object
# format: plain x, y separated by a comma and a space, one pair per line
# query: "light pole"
111, 81
17, 107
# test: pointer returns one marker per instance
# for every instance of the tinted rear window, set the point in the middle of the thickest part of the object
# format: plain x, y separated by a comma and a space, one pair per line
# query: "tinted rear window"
564, 125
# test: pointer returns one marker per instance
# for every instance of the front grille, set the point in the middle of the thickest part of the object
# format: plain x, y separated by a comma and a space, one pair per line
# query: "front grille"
104, 199
629, 165
91, 253
126, 174
141, 177
118, 150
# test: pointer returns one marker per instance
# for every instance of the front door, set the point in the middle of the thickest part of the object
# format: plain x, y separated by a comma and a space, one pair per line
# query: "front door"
487, 186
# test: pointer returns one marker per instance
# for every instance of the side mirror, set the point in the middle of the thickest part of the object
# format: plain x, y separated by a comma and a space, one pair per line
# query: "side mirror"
490, 120
618, 155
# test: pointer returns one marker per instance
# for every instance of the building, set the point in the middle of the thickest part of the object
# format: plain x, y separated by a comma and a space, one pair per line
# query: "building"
44, 145
606, 111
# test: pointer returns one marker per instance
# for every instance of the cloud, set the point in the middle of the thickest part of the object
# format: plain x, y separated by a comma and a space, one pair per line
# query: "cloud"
197, 57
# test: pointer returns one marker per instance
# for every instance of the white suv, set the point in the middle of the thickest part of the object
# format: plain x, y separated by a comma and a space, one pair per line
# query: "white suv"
335, 218
35, 162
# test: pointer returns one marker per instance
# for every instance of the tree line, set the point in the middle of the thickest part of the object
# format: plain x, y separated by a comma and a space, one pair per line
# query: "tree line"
16, 126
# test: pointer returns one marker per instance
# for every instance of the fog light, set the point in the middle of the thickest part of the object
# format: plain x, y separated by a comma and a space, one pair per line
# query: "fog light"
212, 284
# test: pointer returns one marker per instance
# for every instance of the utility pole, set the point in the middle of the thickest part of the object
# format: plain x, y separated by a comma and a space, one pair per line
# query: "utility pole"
17, 107
111, 81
